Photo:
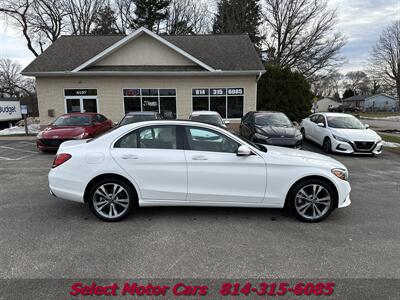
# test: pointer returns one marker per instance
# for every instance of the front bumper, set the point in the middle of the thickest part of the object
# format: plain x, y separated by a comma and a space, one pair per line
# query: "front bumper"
49, 144
351, 148
278, 141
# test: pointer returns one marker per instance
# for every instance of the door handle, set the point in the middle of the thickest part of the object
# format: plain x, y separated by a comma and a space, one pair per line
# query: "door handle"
130, 156
199, 157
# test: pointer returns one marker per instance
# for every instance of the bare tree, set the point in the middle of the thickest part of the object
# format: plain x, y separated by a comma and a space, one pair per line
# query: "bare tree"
385, 57
300, 34
20, 12
187, 17
358, 82
325, 85
82, 14
12, 83
125, 15
39, 21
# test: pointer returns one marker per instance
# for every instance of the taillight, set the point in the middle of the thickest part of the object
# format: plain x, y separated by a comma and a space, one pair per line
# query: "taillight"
60, 159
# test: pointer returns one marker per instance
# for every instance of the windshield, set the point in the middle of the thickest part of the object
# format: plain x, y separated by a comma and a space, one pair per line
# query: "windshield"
73, 121
272, 119
209, 119
136, 118
345, 122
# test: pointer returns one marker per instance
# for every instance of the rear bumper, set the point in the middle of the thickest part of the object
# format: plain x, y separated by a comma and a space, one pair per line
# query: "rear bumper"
64, 188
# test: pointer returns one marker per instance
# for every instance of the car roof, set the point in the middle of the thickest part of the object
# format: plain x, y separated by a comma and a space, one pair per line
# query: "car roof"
141, 113
89, 114
204, 112
333, 114
268, 112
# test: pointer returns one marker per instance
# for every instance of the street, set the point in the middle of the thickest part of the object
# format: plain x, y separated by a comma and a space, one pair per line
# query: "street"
43, 237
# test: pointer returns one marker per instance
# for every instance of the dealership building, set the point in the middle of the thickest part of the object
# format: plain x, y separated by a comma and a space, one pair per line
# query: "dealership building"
143, 71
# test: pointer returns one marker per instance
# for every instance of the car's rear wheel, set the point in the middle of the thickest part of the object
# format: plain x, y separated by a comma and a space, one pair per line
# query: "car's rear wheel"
111, 199
312, 200
327, 145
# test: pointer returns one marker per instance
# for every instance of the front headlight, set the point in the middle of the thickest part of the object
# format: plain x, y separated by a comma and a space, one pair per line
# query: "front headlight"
340, 173
260, 136
83, 135
299, 136
39, 135
339, 138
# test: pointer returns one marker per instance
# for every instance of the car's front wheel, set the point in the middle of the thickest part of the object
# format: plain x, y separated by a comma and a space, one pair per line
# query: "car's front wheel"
111, 200
327, 145
312, 200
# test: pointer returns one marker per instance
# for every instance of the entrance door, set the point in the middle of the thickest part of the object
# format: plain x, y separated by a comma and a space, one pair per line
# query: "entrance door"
73, 105
81, 104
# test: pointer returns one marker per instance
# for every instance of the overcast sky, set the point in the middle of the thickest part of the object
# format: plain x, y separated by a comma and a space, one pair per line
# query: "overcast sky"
360, 20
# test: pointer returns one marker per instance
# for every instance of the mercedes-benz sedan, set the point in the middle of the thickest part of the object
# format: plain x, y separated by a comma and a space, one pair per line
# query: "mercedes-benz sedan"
184, 163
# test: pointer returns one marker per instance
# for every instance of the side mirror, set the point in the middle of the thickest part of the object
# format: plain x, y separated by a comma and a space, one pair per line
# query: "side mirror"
321, 124
366, 126
115, 123
226, 122
295, 124
243, 151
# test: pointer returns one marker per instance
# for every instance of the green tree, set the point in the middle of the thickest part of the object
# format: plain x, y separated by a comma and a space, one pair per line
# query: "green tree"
150, 13
105, 21
239, 16
282, 90
348, 93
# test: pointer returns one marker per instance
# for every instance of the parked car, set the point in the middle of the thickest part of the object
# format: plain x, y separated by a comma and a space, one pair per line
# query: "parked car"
139, 116
209, 117
73, 126
342, 133
342, 108
187, 163
270, 128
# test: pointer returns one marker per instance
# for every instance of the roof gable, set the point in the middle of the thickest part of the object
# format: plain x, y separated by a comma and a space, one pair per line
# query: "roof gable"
144, 51
206, 53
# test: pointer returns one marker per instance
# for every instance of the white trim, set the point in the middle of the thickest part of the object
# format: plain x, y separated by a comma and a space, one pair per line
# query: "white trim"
136, 34
142, 73
81, 98
226, 99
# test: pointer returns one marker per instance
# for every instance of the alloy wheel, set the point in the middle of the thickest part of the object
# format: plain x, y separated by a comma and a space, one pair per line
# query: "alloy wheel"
111, 200
313, 201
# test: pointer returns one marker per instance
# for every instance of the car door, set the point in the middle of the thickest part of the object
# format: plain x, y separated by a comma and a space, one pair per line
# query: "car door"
319, 133
154, 158
216, 174
309, 126
245, 126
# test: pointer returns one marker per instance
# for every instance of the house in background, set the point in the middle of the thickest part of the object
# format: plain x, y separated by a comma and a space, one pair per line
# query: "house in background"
378, 102
325, 103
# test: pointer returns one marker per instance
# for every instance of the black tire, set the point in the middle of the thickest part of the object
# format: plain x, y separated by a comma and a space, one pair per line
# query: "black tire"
93, 200
327, 145
303, 133
307, 185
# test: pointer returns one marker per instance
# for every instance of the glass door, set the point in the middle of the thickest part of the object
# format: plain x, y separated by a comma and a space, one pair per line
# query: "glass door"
89, 105
73, 105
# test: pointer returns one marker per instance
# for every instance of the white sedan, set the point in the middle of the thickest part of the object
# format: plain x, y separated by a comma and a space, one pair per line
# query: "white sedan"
184, 163
343, 133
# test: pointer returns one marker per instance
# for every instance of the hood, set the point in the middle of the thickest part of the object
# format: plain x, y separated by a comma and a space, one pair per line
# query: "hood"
356, 134
61, 132
301, 157
272, 131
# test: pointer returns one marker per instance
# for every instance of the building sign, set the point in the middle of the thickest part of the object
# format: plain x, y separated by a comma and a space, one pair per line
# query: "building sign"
217, 92
10, 110
235, 92
80, 92
200, 92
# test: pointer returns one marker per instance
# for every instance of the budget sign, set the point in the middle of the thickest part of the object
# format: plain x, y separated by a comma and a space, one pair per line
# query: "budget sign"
10, 110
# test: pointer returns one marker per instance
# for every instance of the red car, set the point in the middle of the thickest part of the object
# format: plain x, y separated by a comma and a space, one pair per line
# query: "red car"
74, 126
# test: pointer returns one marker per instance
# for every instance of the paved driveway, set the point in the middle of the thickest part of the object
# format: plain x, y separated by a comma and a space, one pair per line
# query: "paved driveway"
41, 237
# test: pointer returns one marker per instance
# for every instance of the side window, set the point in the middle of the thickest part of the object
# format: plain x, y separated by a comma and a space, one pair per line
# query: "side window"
246, 118
155, 137
314, 118
321, 119
201, 139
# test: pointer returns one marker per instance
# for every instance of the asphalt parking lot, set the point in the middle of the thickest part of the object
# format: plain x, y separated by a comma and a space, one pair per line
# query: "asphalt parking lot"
42, 237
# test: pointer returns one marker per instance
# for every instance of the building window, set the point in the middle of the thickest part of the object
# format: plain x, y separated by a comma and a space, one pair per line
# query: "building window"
80, 100
159, 100
228, 102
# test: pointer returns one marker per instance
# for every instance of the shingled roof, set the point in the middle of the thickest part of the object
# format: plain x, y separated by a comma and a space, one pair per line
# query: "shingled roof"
220, 52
